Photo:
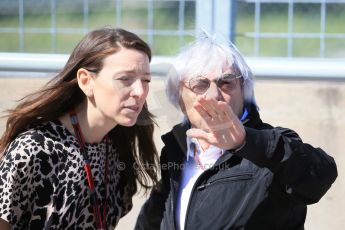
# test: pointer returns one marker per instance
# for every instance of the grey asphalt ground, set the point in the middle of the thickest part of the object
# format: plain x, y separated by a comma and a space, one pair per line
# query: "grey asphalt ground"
314, 109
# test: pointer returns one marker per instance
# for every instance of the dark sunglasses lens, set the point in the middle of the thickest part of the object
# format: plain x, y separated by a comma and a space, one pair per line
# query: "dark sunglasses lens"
227, 85
229, 77
228, 82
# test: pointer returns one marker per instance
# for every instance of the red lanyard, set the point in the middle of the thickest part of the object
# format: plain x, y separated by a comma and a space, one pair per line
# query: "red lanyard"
100, 221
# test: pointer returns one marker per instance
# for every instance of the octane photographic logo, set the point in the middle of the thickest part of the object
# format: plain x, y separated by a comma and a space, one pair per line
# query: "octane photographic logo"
121, 166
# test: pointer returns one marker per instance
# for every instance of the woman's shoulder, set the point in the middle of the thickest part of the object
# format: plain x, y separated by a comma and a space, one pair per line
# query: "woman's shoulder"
54, 130
41, 137
39, 145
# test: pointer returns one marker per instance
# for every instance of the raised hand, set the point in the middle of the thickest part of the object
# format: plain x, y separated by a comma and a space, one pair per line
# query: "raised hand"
224, 129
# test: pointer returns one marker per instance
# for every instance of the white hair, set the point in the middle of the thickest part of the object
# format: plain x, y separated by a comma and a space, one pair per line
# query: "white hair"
206, 55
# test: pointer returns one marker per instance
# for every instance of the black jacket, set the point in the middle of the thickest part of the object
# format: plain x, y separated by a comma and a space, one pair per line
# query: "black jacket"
265, 185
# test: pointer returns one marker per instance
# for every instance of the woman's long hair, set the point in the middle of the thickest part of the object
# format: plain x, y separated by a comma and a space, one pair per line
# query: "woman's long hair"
61, 94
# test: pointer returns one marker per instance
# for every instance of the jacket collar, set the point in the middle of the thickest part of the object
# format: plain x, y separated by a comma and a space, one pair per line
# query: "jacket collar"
253, 119
178, 134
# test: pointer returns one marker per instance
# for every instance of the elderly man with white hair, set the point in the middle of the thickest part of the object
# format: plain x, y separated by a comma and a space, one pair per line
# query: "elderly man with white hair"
222, 167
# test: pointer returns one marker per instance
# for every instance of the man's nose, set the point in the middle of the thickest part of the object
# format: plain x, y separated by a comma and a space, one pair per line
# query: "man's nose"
213, 92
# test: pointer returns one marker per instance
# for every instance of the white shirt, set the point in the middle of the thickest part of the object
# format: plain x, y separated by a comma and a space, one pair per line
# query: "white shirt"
191, 173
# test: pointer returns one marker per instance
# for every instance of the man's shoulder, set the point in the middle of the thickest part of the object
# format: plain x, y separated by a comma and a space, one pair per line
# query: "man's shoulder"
177, 130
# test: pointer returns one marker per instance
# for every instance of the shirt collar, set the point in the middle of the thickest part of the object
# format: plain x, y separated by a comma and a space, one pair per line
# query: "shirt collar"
190, 147
191, 142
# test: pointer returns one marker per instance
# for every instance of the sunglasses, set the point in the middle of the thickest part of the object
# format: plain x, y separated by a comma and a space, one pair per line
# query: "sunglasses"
226, 83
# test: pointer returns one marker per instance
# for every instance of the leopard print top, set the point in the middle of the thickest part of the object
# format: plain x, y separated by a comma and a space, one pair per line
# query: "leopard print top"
43, 184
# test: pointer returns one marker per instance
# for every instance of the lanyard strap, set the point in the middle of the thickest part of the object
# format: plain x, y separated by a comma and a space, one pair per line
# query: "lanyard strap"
101, 223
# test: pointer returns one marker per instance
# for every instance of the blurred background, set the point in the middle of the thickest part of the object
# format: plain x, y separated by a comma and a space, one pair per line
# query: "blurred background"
274, 28
296, 49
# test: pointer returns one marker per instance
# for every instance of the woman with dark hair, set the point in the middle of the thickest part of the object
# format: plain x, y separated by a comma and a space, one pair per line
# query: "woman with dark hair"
68, 150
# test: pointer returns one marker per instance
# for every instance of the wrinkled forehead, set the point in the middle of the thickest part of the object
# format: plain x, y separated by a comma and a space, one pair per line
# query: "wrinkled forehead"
141, 66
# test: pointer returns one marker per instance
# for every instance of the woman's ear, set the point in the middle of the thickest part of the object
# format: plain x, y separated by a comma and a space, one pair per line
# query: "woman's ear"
85, 81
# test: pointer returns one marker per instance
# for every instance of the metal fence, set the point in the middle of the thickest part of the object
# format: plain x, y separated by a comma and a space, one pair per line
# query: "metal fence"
275, 28
298, 28
64, 22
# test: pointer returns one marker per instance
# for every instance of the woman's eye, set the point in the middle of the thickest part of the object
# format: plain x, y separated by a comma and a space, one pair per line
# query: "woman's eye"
126, 81
122, 79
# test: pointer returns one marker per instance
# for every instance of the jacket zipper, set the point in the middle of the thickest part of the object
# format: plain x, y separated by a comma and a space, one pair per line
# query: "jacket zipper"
172, 208
200, 187
191, 196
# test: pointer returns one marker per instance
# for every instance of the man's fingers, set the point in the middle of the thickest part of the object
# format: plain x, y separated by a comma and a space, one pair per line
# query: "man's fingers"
203, 113
226, 110
198, 133
210, 106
